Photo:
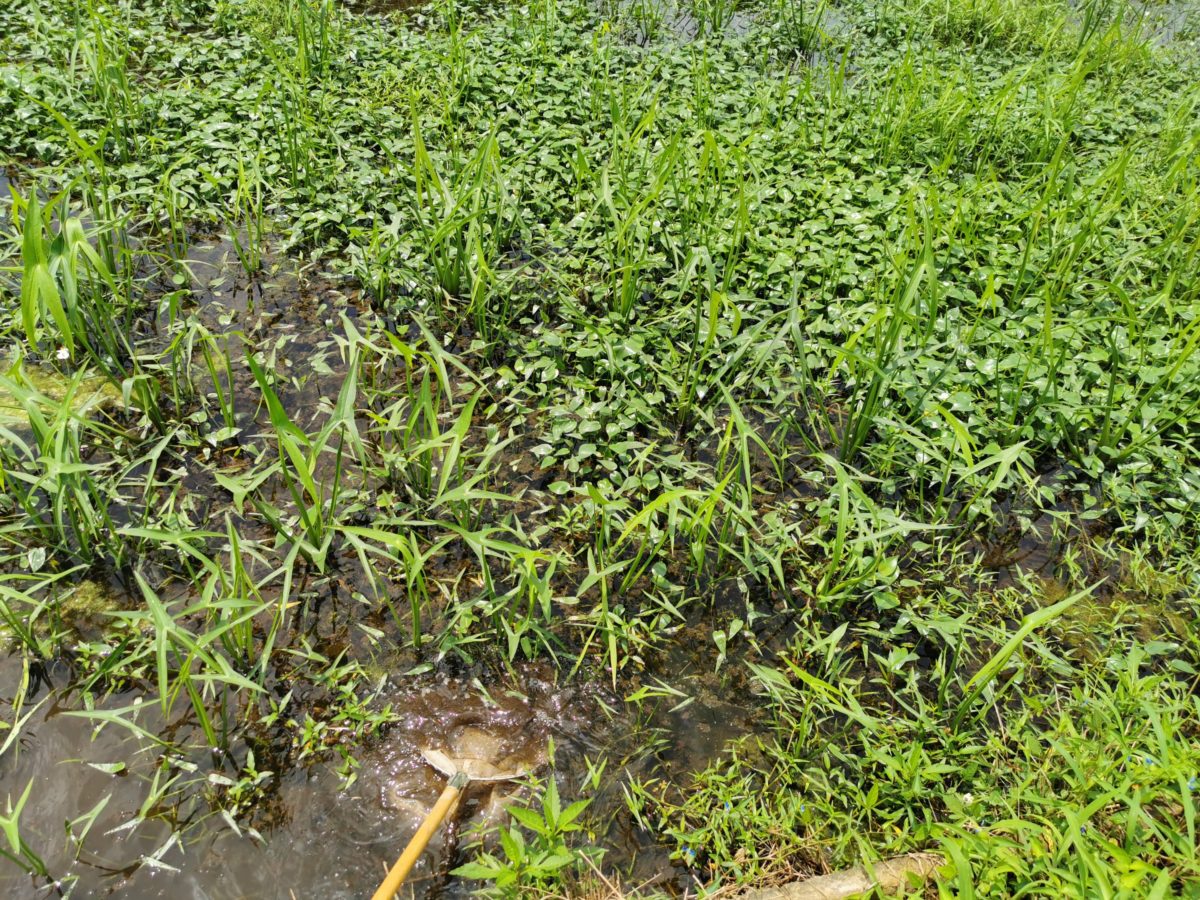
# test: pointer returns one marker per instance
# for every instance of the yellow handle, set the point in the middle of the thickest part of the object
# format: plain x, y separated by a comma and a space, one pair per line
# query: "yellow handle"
420, 840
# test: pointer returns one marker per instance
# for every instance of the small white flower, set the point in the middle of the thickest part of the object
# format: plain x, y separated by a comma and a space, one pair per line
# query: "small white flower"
63, 353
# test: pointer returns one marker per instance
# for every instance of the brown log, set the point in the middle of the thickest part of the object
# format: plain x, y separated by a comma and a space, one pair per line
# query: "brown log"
890, 875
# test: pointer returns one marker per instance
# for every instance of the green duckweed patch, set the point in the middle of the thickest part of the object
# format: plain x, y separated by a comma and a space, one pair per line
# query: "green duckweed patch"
46, 388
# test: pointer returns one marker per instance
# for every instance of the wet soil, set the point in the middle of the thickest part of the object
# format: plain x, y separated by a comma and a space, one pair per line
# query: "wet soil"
148, 820
316, 836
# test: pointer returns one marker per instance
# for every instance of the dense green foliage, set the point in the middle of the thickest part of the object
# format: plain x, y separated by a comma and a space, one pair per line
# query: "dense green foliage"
552, 326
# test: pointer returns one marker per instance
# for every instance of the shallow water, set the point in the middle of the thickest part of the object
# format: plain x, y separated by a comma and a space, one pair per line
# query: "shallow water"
1173, 24
321, 839
73, 772
308, 833
383, 7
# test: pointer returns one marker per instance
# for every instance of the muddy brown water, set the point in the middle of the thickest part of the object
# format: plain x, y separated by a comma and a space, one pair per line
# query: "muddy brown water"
321, 838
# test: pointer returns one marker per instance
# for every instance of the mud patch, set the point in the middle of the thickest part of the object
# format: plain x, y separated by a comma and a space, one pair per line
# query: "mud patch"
324, 838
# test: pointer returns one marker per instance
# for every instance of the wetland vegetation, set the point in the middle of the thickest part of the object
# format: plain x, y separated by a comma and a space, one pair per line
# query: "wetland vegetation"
781, 418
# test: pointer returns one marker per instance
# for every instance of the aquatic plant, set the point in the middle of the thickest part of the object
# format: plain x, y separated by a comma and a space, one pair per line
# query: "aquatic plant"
833, 363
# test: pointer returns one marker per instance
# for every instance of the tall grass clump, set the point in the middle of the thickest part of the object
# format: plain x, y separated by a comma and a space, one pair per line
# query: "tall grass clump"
69, 294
